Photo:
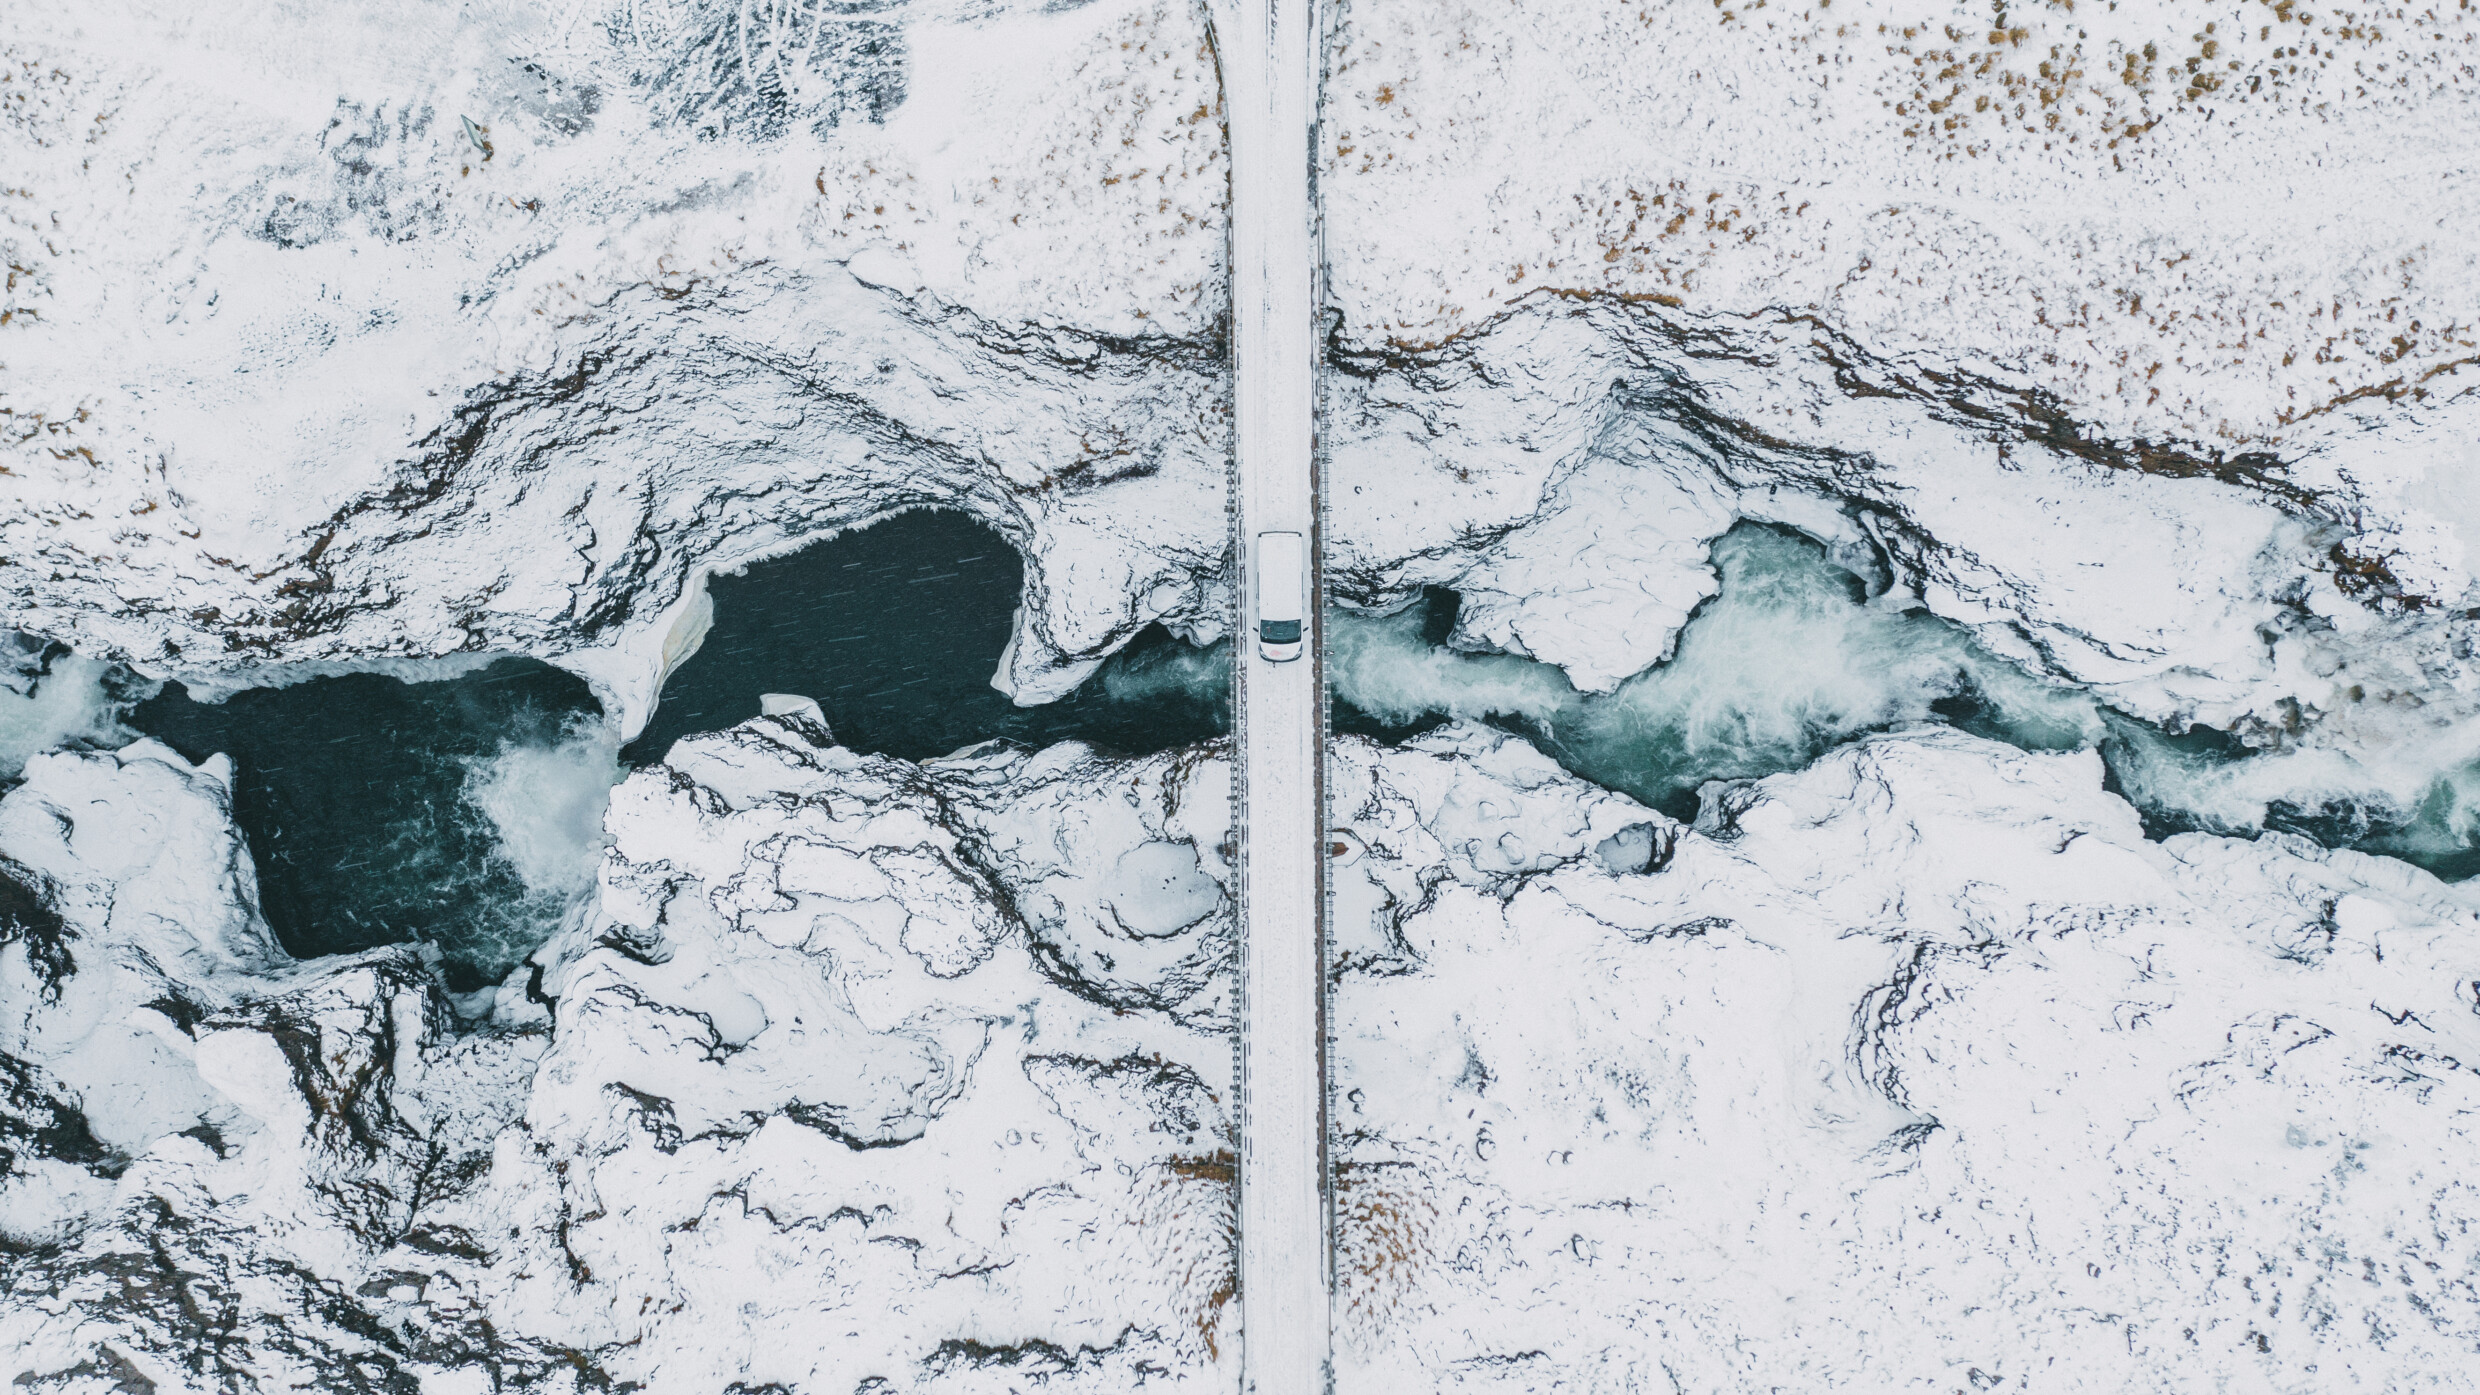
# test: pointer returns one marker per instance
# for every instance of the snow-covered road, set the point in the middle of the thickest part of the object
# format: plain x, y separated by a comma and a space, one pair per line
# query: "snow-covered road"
1266, 57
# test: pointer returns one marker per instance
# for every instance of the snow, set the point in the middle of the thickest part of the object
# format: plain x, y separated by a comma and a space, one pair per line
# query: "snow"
2047, 191
809, 1069
299, 374
1916, 1068
1918, 1062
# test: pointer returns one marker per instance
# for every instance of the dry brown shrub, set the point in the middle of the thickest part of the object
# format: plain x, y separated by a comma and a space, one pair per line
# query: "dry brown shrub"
1386, 1216
1186, 1215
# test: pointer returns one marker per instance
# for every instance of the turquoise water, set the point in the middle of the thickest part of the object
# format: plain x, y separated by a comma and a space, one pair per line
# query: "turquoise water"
466, 810
1794, 657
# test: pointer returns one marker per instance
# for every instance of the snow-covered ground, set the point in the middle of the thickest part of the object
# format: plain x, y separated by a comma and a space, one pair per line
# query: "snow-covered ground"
2011, 290
2191, 219
2136, 340
864, 1075
424, 329
2133, 338
1916, 1070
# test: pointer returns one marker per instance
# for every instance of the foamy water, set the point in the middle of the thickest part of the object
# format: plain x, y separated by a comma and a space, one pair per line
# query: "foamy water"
546, 803
50, 699
463, 810
1792, 659
1787, 661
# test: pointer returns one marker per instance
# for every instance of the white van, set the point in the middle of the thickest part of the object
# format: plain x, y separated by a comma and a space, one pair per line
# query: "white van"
1282, 594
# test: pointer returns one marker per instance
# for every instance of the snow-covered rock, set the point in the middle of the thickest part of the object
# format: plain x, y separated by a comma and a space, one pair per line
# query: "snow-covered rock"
392, 332
821, 1097
369, 334
813, 1077
1626, 438
204, 1142
1566, 468
1917, 1069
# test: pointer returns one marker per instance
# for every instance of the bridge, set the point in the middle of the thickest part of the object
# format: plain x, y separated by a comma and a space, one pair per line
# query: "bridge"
1268, 53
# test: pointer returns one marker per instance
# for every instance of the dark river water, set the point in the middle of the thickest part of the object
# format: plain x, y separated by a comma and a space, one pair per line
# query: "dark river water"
896, 630
369, 805
467, 811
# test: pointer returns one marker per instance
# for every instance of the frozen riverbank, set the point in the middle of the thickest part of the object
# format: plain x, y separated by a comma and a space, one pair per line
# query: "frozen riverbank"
398, 341
1920, 1063
945, 1040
